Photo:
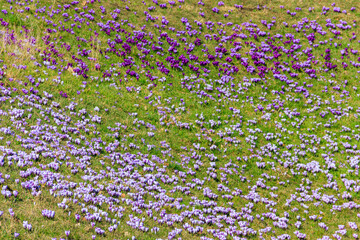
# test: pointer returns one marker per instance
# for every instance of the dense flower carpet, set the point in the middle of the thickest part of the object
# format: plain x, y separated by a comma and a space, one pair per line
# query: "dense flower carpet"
186, 119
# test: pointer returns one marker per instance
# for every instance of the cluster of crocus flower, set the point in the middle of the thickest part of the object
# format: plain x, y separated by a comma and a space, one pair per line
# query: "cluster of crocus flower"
48, 213
27, 225
249, 100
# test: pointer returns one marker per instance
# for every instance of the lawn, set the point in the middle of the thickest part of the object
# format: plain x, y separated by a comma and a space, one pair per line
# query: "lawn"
179, 119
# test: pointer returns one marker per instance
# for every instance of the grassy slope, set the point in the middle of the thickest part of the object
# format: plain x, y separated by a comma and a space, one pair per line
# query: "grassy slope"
99, 93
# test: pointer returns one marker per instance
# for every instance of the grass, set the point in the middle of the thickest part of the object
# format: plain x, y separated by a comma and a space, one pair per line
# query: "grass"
170, 106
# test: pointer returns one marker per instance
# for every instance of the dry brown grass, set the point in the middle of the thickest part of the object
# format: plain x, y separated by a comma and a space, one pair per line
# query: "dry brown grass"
188, 7
227, 8
17, 50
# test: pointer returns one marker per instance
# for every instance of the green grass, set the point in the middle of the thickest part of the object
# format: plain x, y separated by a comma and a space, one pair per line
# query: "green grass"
120, 102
